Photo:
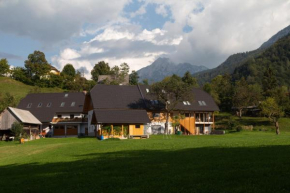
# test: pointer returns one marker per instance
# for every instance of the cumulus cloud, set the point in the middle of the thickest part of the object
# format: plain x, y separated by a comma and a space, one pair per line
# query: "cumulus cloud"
114, 45
222, 28
219, 28
53, 21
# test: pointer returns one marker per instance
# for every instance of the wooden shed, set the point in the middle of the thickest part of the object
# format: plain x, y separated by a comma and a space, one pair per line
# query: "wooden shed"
10, 115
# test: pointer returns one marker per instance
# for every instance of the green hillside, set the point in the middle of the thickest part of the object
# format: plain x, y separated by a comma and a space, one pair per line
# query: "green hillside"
19, 89
276, 57
236, 60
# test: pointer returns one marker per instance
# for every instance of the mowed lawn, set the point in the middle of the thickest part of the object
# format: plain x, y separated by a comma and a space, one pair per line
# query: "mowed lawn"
236, 162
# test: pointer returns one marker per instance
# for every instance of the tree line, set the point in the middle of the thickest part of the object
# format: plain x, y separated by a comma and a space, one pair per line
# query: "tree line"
37, 72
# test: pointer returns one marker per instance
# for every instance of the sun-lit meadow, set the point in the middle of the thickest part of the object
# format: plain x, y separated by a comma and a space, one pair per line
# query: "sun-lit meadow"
236, 162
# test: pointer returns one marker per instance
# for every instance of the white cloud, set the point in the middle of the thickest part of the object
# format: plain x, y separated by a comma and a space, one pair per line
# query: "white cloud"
220, 28
161, 10
53, 21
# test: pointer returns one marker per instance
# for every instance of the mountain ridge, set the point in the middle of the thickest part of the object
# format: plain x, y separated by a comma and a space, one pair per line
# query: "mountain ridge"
238, 59
163, 67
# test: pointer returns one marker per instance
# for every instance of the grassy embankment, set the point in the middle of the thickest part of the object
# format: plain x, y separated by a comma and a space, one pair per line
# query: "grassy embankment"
19, 89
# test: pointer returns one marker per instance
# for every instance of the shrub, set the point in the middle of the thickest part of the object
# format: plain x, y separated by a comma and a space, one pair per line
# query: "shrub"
239, 128
231, 124
17, 130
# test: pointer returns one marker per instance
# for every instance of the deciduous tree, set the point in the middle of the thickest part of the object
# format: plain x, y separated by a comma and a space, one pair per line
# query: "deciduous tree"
101, 68
170, 91
4, 66
133, 78
68, 72
271, 109
36, 65
189, 79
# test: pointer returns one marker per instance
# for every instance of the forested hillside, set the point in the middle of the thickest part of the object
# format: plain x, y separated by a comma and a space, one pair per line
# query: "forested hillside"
238, 59
276, 58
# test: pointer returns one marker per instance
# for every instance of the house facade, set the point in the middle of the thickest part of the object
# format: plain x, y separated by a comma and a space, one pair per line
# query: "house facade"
61, 114
138, 109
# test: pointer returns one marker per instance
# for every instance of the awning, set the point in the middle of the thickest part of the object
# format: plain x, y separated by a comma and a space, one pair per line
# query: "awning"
121, 116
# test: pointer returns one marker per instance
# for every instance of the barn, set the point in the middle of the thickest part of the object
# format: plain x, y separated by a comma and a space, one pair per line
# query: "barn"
31, 124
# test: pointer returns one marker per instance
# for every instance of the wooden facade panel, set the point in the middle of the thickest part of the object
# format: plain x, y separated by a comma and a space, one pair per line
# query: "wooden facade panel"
6, 120
58, 132
134, 130
189, 124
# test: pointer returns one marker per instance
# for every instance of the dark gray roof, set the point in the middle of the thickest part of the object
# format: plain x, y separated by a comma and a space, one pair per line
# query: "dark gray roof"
137, 97
199, 97
46, 113
115, 96
121, 116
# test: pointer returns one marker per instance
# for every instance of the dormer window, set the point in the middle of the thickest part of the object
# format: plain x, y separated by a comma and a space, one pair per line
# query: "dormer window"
48, 105
147, 90
73, 104
66, 95
39, 105
201, 103
29, 105
62, 104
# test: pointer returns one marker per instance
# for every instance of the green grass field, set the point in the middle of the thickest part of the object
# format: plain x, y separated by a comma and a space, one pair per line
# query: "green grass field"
236, 162
19, 89
259, 123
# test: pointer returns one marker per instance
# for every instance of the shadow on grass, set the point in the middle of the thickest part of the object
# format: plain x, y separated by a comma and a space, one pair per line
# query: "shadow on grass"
264, 169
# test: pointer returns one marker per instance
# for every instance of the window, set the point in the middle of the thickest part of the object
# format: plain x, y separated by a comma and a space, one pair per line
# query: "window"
39, 105
72, 116
137, 126
29, 105
62, 104
156, 115
152, 102
66, 95
58, 116
147, 90
187, 114
48, 105
184, 102
201, 103
188, 103
73, 104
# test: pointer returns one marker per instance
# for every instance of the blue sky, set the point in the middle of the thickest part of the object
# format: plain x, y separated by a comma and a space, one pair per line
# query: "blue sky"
136, 31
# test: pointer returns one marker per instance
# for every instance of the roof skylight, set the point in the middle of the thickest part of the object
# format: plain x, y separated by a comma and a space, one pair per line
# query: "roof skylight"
29, 105
62, 104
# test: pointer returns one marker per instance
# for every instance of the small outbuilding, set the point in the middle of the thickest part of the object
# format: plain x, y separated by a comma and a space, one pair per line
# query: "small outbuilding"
31, 124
